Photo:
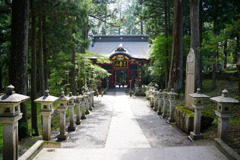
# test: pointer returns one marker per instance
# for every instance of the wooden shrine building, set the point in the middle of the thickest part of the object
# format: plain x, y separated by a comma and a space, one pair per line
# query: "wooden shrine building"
128, 56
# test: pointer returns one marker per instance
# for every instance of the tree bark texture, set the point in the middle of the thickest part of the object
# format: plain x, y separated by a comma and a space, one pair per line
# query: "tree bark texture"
200, 43
166, 46
214, 67
194, 44
41, 58
33, 71
19, 55
72, 72
45, 53
176, 69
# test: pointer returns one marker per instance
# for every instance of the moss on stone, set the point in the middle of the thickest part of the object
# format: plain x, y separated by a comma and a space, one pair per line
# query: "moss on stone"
186, 110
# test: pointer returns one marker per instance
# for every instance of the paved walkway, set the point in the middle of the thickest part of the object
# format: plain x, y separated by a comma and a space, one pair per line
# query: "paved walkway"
124, 130
123, 127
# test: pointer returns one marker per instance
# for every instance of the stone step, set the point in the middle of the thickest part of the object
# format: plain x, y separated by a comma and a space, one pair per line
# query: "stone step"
164, 153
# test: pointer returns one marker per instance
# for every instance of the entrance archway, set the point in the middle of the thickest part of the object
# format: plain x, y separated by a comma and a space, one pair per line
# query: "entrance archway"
121, 77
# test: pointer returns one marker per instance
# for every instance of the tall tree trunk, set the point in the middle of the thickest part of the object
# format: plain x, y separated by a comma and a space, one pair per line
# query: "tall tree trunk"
225, 53
45, 54
214, 67
41, 59
200, 44
18, 57
1, 79
166, 45
33, 71
194, 15
176, 69
72, 72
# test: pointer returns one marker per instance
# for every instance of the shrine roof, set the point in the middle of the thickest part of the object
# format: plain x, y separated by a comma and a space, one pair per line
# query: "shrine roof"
137, 46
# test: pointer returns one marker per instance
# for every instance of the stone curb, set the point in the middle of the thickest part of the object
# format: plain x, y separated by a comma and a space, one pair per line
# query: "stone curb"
37, 147
226, 150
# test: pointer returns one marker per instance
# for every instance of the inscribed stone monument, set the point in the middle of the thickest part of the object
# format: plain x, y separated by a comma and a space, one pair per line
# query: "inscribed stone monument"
190, 86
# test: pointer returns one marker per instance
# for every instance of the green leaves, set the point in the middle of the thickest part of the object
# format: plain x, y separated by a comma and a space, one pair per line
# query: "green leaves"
157, 55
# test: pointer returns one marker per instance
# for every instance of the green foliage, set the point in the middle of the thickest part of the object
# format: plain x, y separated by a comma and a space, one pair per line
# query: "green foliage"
157, 56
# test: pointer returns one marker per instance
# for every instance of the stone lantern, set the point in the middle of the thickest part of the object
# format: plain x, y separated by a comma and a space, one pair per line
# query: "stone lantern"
9, 115
165, 103
78, 103
46, 111
172, 98
198, 106
224, 106
160, 102
84, 103
62, 109
71, 105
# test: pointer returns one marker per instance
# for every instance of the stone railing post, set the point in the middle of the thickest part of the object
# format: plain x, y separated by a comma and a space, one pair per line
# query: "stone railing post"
92, 98
160, 99
172, 99
198, 107
151, 96
165, 103
62, 109
224, 104
78, 115
87, 103
10, 113
46, 111
155, 94
83, 106
71, 104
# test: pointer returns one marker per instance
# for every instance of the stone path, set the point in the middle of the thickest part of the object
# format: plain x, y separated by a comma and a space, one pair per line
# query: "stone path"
124, 130
123, 127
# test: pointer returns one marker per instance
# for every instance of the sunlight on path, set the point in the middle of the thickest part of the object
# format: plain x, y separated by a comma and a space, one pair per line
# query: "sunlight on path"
124, 130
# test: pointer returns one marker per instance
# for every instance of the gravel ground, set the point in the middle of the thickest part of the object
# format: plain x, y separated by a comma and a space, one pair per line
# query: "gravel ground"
93, 131
158, 132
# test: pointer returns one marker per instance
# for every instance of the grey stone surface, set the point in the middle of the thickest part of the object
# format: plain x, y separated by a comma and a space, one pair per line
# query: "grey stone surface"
164, 153
158, 132
89, 140
93, 131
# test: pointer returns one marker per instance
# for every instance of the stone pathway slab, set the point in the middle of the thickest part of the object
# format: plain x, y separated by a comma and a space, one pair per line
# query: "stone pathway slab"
124, 130
165, 153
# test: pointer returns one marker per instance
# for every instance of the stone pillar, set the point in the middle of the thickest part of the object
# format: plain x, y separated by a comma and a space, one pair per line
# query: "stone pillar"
165, 103
46, 122
160, 99
87, 103
224, 104
155, 94
172, 99
198, 107
191, 77
71, 104
10, 113
90, 100
78, 103
62, 109
63, 134
46, 111
151, 97
10, 137
83, 107
93, 98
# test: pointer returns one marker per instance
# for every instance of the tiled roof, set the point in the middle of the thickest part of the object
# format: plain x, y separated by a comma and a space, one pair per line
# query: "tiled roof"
136, 46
